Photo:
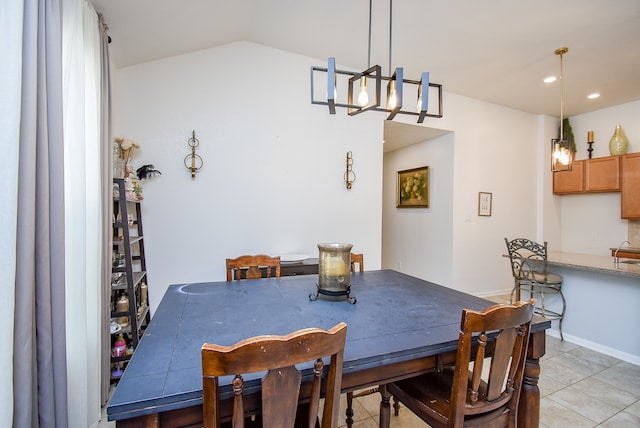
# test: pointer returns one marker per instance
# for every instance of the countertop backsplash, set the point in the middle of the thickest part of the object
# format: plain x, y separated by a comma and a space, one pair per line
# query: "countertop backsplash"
634, 233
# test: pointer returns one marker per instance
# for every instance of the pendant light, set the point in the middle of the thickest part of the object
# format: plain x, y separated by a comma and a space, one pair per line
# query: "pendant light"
561, 150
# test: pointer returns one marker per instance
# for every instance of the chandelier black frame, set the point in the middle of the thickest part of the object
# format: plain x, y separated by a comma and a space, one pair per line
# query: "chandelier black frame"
395, 87
375, 74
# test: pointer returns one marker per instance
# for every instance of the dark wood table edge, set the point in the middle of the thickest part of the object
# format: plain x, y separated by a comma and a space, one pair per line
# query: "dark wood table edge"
528, 409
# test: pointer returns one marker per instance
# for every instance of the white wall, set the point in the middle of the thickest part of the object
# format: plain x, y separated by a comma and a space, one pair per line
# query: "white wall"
601, 310
591, 223
418, 241
272, 180
505, 152
549, 205
492, 149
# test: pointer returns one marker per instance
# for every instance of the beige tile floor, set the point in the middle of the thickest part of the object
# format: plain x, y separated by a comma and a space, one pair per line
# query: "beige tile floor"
578, 388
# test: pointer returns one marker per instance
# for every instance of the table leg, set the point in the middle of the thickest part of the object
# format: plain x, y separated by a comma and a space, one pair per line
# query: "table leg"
385, 408
529, 405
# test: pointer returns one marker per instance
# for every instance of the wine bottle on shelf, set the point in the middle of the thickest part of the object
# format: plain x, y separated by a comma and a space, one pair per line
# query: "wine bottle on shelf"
120, 346
119, 349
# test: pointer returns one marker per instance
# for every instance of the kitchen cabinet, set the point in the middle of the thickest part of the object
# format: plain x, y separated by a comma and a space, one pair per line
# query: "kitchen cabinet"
630, 184
602, 174
567, 182
589, 176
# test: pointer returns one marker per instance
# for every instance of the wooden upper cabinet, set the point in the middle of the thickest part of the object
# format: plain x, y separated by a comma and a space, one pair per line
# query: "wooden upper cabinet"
602, 174
566, 182
589, 176
630, 184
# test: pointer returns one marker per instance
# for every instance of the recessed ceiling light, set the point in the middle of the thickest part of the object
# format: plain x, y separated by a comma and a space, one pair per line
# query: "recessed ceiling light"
550, 79
593, 96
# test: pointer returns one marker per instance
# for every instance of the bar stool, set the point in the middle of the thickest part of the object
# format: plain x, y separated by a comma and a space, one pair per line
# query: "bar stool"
529, 269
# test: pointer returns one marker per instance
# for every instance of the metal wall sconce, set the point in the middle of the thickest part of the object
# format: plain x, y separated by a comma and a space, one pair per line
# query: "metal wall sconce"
192, 160
369, 83
349, 175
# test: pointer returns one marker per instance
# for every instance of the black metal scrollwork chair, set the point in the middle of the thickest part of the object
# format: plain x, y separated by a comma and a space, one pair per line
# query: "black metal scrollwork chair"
529, 269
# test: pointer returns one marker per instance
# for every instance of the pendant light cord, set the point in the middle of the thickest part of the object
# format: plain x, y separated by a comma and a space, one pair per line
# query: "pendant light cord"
369, 52
390, 32
561, 52
561, 100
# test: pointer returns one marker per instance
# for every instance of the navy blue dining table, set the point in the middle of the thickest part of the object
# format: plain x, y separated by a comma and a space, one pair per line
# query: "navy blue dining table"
400, 326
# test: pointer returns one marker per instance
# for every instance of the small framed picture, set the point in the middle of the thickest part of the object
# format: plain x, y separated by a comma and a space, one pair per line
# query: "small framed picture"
484, 204
413, 188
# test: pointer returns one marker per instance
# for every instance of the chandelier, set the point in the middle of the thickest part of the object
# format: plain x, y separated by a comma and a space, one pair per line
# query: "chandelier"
364, 89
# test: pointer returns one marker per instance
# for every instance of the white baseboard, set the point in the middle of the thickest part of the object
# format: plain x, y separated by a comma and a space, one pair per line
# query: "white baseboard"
624, 356
629, 358
503, 292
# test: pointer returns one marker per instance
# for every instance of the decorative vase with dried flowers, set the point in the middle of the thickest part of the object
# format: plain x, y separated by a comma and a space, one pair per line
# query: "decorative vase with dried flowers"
126, 148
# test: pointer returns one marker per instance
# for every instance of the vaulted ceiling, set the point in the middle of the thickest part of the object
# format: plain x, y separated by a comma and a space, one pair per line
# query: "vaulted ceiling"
498, 51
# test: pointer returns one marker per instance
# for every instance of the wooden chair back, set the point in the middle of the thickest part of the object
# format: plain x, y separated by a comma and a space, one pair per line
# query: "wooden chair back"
500, 392
280, 387
359, 259
252, 266
493, 342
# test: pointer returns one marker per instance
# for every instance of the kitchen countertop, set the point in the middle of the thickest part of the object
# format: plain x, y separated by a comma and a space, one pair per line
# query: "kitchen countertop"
635, 250
626, 252
594, 263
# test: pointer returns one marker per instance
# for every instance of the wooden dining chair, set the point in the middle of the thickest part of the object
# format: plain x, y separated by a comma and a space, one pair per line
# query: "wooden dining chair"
252, 266
359, 260
462, 396
280, 386
356, 259
529, 269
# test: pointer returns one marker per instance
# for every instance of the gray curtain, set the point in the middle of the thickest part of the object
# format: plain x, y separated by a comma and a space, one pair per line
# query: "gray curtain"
40, 374
107, 207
